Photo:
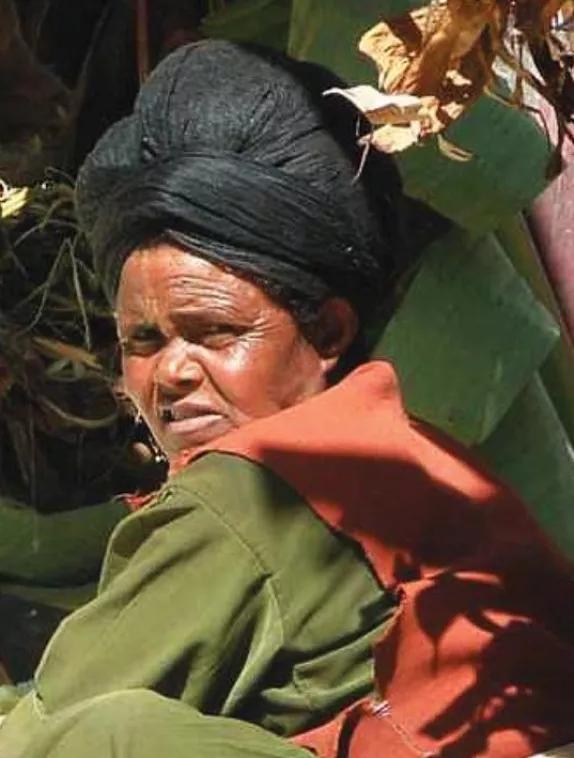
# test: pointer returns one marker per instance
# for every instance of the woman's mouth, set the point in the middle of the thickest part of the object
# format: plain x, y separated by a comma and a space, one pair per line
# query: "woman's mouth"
188, 427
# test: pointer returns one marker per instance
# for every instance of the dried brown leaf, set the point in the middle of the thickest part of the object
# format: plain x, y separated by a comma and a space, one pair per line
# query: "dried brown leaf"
394, 138
381, 109
62, 350
452, 151
434, 52
399, 120
447, 49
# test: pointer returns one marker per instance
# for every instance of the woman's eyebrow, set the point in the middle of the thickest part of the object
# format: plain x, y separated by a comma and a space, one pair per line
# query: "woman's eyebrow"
137, 324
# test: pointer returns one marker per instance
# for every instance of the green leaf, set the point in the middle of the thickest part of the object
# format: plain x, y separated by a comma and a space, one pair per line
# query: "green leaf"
557, 373
264, 22
63, 548
510, 152
531, 452
64, 598
467, 337
507, 172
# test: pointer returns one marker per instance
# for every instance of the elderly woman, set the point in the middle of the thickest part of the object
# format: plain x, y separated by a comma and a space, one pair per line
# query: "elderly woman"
320, 573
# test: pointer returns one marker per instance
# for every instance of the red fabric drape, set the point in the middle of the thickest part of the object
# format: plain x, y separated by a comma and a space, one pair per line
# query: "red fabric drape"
480, 658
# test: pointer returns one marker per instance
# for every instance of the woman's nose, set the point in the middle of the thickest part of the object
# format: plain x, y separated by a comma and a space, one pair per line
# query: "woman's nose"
177, 370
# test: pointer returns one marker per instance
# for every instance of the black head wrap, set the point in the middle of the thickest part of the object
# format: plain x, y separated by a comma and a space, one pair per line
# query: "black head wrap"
236, 154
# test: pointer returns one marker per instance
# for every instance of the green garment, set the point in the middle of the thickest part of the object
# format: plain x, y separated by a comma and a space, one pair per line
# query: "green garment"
228, 594
142, 724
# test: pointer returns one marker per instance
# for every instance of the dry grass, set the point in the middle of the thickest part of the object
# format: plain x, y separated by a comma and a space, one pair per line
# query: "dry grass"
65, 439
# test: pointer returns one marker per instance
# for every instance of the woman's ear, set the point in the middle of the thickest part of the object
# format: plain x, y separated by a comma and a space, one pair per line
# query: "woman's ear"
335, 329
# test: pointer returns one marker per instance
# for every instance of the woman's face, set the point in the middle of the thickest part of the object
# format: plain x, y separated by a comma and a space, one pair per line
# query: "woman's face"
204, 351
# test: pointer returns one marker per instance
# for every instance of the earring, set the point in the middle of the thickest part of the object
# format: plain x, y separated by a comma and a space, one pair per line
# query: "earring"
158, 455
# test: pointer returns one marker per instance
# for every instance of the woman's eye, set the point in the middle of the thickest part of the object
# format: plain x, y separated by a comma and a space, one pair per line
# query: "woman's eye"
146, 342
220, 335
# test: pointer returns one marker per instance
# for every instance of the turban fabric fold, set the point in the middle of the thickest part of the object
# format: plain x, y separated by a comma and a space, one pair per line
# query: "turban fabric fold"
234, 153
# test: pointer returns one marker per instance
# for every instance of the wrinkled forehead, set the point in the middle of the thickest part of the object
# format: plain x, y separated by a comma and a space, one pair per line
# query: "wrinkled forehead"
163, 281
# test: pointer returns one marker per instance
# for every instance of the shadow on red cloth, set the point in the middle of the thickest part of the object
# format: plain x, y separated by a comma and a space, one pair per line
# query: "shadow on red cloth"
479, 659
483, 643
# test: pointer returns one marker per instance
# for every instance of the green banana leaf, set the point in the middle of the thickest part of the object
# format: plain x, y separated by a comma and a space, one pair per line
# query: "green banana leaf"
510, 152
64, 598
557, 372
531, 451
328, 31
264, 22
467, 337
64, 548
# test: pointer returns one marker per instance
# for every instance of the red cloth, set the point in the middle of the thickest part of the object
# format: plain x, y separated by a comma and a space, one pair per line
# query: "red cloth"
480, 658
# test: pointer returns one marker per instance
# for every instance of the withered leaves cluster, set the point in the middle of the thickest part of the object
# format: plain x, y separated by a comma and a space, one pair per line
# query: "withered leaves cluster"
66, 439
441, 58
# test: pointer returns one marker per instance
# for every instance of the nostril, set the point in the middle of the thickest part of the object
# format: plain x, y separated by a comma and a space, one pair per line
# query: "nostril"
177, 373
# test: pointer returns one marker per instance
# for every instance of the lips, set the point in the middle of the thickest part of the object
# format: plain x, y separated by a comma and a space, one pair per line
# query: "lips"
183, 410
186, 424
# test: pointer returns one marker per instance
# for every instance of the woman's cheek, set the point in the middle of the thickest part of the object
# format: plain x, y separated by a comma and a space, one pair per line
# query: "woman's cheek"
245, 358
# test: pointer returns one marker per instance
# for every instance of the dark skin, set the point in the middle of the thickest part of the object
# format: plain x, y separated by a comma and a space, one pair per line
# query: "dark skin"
205, 351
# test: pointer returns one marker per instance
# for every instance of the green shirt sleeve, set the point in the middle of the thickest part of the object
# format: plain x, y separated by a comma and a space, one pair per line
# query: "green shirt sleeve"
227, 593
